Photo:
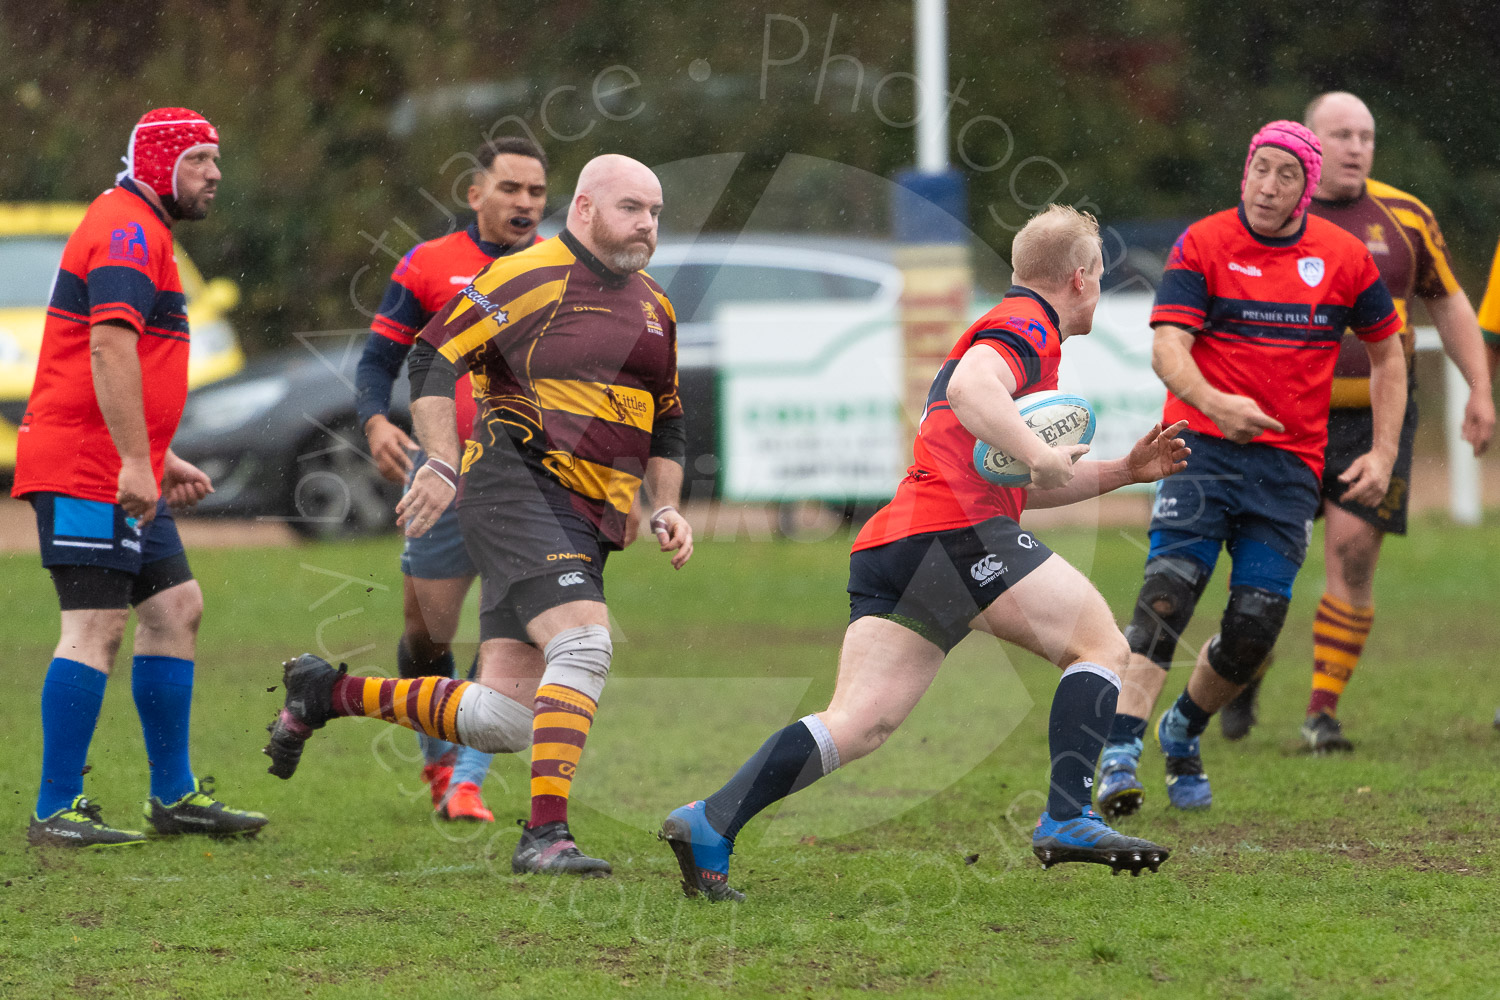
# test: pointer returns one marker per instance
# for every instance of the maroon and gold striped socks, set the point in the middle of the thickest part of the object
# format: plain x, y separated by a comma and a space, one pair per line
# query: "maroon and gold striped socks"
1339, 633
427, 704
559, 729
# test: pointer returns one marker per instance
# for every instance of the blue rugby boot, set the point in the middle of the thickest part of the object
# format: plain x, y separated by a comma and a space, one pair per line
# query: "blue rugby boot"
702, 853
1088, 838
1119, 790
1187, 784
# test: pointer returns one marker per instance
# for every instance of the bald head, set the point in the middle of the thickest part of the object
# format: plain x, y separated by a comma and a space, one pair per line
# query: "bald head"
1345, 127
615, 210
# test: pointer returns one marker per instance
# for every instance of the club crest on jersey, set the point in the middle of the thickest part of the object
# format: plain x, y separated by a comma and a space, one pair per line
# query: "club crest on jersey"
1375, 238
1310, 270
652, 322
129, 244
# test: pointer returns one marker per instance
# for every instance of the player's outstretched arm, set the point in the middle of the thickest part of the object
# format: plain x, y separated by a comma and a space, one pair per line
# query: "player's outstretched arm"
664, 490
1155, 456
1458, 328
982, 392
1369, 475
1239, 417
434, 417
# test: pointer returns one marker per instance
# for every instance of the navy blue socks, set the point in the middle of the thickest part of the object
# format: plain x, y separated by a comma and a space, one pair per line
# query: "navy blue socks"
789, 761
1083, 709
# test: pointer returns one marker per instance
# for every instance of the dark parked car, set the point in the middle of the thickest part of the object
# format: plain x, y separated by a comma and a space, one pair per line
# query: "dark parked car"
280, 441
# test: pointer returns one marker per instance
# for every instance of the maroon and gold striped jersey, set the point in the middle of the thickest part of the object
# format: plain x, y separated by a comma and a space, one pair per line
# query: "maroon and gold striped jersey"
1412, 257
573, 365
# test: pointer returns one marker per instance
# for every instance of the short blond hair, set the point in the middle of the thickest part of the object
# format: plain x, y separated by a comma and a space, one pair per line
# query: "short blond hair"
1054, 244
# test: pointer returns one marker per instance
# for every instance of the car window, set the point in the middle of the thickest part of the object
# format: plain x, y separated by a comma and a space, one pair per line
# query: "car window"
698, 290
27, 266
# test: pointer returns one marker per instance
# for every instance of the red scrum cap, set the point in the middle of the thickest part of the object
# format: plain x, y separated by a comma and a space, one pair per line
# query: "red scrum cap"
158, 143
1298, 140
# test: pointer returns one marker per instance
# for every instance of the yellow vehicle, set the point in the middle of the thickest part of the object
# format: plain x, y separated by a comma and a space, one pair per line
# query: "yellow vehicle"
32, 236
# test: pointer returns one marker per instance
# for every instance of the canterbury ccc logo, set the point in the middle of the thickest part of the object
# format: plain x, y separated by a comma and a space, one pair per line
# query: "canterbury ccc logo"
987, 569
570, 579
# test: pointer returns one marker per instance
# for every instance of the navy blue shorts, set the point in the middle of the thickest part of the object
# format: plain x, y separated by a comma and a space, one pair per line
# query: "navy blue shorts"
936, 583
1258, 500
100, 558
440, 553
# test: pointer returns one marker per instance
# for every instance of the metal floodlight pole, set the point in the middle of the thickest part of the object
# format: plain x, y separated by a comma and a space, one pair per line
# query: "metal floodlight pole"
932, 85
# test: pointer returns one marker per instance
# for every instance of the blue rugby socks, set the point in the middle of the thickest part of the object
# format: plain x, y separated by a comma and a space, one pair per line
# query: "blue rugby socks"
71, 696
789, 761
1185, 720
163, 691
1083, 707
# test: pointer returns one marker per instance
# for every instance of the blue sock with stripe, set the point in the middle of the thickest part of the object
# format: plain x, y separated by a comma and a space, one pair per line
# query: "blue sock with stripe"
71, 696
1083, 707
163, 690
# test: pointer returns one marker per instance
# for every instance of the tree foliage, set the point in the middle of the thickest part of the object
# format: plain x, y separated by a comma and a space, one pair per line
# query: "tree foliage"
344, 123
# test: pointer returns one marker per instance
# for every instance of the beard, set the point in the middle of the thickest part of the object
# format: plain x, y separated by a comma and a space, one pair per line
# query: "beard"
192, 209
622, 257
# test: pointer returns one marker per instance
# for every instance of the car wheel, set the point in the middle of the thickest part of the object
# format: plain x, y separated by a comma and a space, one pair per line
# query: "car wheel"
337, 490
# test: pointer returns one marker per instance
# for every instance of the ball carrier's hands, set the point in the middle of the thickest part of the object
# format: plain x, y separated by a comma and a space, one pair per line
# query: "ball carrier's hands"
981, 393
1159, 454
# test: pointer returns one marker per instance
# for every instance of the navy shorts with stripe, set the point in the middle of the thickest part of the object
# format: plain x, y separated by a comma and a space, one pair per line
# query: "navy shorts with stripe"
77, 532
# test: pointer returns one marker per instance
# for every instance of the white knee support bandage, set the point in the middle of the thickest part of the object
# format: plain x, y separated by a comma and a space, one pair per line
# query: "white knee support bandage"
492, 723
578, 658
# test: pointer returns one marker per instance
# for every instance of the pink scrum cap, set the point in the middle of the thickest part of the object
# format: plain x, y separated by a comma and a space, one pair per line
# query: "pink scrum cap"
1298, 140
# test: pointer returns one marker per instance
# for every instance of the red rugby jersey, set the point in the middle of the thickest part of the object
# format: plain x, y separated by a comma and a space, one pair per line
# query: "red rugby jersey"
942, 489
117, 267
428, 276
1267, 314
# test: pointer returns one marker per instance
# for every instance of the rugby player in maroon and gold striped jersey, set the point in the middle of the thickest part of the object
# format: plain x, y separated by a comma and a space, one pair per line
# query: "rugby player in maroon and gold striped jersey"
573, 355
1412, 257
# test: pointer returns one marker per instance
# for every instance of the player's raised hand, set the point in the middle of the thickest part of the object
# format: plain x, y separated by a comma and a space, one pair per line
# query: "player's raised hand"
136, 490
1241, 418
1479, 420
390, 447
1368, 476
183, 483
674, 533
1159, 454
1053, 467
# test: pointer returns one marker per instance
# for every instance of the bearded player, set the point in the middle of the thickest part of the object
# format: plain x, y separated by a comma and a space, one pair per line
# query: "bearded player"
93, 458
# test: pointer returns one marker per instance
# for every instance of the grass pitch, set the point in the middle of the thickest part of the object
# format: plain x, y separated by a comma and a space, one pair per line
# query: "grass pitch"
1369, 875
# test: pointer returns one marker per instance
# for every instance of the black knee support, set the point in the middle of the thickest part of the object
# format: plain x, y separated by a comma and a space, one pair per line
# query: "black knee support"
1165, 606
1247, 634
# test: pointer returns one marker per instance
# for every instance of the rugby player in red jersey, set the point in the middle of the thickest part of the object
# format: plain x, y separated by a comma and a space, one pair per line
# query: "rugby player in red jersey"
508, 196
1408, 247
93, 459
572, 351
1248, 318
947, 556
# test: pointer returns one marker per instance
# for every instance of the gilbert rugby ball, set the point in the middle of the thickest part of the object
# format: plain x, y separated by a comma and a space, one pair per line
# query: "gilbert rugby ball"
1055, 417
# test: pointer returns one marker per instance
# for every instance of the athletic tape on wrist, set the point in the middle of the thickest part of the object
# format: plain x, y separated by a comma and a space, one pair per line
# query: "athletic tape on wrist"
443, 469
656, 517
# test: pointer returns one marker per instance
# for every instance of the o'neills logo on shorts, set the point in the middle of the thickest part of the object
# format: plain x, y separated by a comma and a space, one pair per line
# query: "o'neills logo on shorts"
555, 556
986, 569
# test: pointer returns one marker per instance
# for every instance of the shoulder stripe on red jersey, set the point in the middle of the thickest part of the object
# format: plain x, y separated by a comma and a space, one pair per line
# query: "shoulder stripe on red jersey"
1025, 361
401, 312
70, 294
124, 287
1374, 315
1181, 298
